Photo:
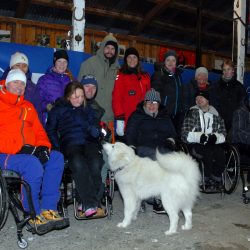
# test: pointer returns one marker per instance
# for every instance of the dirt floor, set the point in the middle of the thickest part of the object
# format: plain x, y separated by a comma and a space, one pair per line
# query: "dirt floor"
218, 224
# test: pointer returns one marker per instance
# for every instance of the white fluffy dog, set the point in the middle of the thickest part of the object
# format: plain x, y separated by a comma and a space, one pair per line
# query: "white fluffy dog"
174, 177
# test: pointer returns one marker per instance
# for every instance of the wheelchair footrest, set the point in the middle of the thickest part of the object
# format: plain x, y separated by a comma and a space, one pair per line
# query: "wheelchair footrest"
101, 213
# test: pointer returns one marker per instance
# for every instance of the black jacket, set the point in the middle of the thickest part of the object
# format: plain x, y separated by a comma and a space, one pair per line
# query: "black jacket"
145, 130
228, 97
170, 88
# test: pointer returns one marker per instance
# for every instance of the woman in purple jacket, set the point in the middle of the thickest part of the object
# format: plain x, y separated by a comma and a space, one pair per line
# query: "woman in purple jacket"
51, 85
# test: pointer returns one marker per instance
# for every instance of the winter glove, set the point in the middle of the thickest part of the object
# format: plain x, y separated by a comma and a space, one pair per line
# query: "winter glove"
94, 131
120, 127
42, 153
211, 139
170, 144
203, 139
27, 149
105, 132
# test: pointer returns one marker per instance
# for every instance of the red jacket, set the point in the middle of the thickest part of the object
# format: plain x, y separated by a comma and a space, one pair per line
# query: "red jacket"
129, 90
19, 124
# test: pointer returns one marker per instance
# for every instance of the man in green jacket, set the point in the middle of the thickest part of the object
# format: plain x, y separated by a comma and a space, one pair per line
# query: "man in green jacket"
104, 66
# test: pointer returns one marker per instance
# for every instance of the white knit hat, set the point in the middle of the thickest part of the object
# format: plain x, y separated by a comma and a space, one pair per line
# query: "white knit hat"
18, 57
201, 70
14, 75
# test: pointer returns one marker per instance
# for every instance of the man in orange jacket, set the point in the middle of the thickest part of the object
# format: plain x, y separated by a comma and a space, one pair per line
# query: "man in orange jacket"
25, 148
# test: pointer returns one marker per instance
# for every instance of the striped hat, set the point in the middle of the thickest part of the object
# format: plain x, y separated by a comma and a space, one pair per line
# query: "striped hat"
153, 96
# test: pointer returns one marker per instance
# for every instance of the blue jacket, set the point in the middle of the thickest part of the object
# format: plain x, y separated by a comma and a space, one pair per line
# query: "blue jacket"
67, 126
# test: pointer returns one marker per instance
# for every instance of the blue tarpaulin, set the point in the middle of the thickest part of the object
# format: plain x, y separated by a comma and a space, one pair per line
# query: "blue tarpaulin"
41, 58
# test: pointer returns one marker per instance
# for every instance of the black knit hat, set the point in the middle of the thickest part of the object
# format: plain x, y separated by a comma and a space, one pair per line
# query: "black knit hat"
170, 53
131, 51
205, 94
113, 43
60, 54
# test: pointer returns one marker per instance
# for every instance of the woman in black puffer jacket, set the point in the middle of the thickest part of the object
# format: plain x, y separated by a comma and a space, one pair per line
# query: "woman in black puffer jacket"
150, 127
72, 129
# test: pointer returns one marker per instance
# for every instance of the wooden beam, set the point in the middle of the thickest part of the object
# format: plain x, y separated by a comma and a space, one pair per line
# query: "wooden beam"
54, 4
193, 10
130, 38
157, 10
22, 8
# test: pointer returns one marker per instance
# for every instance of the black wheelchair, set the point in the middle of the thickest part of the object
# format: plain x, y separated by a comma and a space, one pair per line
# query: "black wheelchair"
69, 196
244, 170
230, 175
10, 183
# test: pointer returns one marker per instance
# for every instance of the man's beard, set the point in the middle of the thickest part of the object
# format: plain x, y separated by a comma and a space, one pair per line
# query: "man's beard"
111, 59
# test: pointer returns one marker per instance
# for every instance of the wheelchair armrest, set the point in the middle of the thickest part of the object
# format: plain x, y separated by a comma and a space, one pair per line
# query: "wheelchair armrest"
6, 173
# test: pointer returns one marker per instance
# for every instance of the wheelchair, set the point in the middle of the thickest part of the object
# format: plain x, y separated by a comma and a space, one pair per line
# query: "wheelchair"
230, 175
244, 168
69, 196
10, 182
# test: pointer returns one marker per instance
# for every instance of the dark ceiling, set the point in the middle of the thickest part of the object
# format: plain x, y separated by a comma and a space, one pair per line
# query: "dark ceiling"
170, 21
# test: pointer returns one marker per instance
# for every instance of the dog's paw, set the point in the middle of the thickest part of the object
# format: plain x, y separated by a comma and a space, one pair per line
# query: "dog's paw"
186, 227
121, 224
170, 232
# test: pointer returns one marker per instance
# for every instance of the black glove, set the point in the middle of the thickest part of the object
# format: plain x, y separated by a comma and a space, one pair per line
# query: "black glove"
170, 144
212, 139
105, 134
27, 149
42, 153
203, 139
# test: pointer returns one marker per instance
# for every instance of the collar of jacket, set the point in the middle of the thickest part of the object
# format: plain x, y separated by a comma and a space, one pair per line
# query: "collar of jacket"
10, 98
211, 110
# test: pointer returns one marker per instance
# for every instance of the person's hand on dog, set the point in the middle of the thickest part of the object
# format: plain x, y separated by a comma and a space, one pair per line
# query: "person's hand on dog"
170, 144
203, 139
211, 139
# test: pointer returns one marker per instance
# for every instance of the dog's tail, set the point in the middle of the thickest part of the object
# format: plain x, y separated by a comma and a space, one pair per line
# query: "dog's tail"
182, 163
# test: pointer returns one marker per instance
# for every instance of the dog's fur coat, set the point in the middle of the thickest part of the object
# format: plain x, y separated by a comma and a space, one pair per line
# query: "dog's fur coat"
174, 177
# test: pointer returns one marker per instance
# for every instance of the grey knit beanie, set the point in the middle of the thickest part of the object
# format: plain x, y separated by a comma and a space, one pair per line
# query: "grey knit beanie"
153, 96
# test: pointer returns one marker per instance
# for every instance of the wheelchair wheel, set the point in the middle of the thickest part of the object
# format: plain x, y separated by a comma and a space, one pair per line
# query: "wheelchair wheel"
4, 201
22, 244
232, 170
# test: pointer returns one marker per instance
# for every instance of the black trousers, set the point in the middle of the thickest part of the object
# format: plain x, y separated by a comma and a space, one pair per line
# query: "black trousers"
212, 156
85, 162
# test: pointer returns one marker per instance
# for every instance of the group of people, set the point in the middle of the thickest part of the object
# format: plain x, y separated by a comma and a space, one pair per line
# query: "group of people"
60, 117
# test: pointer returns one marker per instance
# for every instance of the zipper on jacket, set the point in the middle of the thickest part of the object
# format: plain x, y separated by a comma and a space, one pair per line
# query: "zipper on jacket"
22, 126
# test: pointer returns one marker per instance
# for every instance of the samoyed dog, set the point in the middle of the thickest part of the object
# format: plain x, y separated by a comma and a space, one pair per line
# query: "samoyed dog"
174, 177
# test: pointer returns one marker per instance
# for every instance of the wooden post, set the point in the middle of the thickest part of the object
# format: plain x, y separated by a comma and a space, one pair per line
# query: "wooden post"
240, 18
78, 23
